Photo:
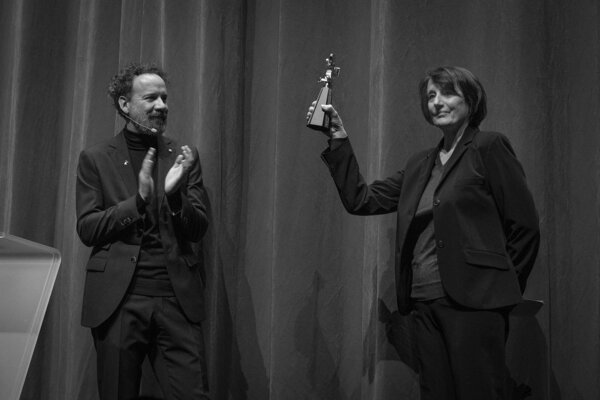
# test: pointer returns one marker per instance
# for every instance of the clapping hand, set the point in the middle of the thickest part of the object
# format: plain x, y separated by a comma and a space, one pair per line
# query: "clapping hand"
181, 166
145, 181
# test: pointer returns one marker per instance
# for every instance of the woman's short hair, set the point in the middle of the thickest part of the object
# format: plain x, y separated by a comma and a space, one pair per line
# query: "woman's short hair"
454, 79
121, 83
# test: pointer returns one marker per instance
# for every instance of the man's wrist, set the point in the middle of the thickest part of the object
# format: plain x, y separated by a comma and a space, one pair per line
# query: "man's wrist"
175, 203
140, 203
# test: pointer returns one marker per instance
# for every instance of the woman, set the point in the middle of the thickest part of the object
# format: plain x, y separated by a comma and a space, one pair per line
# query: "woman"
467, 236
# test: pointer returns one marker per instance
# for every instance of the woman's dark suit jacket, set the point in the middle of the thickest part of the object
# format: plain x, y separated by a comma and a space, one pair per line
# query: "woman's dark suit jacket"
485, 221
108, 221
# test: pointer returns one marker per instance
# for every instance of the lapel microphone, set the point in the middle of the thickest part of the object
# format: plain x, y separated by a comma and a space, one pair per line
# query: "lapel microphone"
153, 130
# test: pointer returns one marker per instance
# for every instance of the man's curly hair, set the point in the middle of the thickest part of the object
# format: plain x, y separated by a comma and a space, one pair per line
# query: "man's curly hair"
121, 83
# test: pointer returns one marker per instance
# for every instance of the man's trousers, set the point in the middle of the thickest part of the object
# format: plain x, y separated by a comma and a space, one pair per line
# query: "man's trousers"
155, 327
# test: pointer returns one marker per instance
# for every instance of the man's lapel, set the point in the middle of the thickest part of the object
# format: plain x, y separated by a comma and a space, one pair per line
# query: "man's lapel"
122, 161
166, 158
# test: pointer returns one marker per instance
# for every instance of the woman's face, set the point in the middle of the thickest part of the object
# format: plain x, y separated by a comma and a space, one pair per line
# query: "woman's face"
447, 108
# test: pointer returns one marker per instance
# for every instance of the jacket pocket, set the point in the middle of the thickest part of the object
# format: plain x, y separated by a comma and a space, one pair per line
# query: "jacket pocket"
472, 180
487, 259
97, 263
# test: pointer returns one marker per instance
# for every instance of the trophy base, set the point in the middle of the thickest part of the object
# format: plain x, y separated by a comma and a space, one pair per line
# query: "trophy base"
319, 120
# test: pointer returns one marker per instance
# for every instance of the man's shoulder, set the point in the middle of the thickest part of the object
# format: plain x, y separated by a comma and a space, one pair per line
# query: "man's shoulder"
101, 146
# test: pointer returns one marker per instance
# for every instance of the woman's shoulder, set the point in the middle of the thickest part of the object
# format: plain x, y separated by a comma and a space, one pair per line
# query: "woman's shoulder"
489, 138
493, 142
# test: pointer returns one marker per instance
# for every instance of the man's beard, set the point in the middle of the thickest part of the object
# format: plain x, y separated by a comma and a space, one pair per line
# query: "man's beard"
147, 122
158, 122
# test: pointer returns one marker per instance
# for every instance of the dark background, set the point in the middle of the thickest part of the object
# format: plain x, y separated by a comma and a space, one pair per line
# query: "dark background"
297, 289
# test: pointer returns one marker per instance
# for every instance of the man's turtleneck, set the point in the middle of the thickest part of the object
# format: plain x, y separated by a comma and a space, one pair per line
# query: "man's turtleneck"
138, 145
151, 277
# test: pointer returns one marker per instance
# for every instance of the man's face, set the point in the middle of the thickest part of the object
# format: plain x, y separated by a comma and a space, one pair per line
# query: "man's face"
147, 104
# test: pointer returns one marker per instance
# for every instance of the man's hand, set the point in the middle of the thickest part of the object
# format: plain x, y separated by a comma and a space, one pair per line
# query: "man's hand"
336, 128
176, 174
145, 181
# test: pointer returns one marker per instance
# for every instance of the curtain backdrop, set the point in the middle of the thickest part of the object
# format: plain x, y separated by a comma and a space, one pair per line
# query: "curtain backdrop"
300, 294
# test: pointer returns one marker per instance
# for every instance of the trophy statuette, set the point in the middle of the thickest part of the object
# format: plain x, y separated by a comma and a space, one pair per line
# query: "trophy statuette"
319, 120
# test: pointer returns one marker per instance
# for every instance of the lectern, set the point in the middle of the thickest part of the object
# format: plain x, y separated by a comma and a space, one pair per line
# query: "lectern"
27, 274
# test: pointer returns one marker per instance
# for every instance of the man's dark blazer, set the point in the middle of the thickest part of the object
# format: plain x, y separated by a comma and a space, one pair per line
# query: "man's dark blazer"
485, 222
108, 220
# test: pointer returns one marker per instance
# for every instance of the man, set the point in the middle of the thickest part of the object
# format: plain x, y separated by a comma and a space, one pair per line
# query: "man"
140, 207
